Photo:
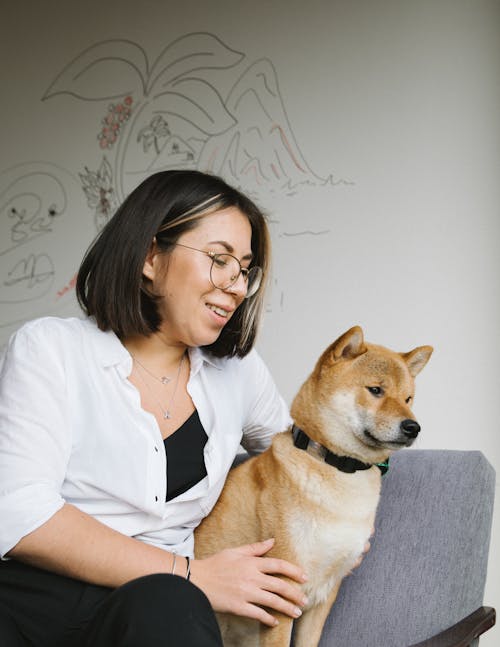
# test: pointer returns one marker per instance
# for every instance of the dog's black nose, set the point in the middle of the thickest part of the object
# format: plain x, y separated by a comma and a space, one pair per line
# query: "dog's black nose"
410, 428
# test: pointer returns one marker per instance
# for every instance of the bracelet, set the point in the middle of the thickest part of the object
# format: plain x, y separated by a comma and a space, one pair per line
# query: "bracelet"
173, 564
188, 568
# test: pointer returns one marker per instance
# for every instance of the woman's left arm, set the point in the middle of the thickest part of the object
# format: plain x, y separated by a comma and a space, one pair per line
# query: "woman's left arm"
267, 413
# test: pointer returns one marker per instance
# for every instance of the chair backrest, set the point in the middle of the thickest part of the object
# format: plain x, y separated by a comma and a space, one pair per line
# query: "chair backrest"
427, 566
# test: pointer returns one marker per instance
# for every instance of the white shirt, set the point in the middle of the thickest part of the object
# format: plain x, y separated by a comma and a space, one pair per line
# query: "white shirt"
72, 429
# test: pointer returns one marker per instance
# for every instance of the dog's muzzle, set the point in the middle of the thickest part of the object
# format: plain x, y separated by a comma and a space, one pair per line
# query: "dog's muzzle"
410, 428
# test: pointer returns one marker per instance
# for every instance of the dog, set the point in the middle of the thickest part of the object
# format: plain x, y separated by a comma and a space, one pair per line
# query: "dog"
316, 489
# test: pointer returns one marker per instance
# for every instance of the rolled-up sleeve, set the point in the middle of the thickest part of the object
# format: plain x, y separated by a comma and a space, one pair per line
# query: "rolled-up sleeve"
35, 437
267, 413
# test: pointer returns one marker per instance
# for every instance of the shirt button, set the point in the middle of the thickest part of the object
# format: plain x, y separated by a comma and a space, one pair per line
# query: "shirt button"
156, 498
156, 449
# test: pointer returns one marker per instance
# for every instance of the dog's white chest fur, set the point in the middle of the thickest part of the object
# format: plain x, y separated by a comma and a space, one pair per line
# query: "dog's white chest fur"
331, 533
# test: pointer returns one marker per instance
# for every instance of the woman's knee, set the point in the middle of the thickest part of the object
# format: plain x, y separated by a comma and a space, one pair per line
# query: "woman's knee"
158, 609
152, 593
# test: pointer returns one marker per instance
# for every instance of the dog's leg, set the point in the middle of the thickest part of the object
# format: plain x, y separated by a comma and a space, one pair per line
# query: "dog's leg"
278, 636
309, 626
238, 632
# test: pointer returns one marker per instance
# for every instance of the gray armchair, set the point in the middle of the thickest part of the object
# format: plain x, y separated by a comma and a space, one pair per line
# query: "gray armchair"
422, 582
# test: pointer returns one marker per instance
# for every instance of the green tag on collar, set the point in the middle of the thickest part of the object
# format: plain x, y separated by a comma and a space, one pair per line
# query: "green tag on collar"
383, 467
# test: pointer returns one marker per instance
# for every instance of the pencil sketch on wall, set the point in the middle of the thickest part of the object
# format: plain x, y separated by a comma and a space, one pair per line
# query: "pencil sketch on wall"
175, 113
199, 105
32, 200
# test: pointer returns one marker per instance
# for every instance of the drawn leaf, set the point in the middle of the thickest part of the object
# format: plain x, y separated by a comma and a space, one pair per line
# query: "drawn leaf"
261, 79
106, 70
199, 103
105, 172
195, 51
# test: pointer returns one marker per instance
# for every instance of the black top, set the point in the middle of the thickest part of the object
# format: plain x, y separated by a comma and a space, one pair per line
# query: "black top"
185, 461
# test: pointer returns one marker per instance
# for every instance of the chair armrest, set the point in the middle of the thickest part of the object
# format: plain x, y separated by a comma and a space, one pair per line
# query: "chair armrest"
464, 632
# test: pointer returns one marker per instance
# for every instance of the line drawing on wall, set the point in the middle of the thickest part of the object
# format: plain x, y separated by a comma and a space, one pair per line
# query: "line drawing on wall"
33, 198
171, 114
30, 203
199, 105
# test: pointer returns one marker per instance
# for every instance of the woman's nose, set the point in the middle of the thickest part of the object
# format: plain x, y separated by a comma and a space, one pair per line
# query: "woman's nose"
239, 287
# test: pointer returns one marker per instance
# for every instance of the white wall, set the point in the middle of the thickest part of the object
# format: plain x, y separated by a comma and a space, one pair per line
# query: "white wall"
397, 100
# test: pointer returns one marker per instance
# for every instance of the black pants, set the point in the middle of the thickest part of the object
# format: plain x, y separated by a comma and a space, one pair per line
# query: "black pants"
42, 609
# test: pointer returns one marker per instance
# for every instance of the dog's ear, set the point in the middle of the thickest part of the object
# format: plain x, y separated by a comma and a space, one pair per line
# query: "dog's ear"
350, 345
417, 358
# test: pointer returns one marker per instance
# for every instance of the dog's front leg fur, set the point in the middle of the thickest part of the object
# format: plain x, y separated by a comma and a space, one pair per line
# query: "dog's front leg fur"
278, 636
281, 634
243, 632
309, 626
238, 631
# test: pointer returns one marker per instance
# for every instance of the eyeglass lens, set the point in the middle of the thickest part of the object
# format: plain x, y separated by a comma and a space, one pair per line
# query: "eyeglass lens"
226, 270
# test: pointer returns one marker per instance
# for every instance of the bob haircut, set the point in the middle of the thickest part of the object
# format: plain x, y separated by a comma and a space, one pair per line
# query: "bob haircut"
110, 285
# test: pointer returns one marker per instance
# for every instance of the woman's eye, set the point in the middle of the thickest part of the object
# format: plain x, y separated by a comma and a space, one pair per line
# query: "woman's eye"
408, 399
377, 391
219, 261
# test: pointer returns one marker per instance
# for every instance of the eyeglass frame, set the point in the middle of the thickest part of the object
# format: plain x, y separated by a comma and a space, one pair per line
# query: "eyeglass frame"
244, 271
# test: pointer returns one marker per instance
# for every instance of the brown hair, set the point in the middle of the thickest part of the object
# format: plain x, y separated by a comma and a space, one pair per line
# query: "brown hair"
110, 285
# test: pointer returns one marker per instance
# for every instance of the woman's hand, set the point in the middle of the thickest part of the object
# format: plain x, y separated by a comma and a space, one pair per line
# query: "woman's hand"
242, 581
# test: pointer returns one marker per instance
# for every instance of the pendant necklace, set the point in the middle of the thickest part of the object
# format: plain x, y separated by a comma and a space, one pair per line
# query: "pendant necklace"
166, 413
164, 379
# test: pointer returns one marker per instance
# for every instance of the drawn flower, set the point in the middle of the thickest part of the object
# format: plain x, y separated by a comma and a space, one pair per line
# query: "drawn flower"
117, 115
99, 191
150, 135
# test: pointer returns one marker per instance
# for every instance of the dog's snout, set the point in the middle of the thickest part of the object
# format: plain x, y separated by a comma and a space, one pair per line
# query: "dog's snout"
410, 428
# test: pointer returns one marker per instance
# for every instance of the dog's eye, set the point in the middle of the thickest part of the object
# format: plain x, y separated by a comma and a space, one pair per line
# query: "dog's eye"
408, 399
377, 391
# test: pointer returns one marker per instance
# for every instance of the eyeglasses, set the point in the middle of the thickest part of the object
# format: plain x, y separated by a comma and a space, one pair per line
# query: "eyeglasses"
226, 270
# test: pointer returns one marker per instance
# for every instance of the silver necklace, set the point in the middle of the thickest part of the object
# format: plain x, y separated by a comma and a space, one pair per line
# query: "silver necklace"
164, 379
166, 413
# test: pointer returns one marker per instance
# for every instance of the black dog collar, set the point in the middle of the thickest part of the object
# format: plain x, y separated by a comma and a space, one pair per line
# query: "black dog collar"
343, 463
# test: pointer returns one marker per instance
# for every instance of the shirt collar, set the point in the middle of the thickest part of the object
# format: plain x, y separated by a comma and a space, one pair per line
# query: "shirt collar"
199, 356
108, 347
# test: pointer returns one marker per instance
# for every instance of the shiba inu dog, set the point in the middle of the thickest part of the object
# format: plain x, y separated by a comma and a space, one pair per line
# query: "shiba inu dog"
316, 489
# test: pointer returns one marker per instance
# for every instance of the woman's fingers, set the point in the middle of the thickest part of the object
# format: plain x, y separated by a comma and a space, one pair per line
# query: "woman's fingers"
272, 564
282, 596
257, 548
255, 612
275, 566
242, 581
283, 589
272, 591
272, 595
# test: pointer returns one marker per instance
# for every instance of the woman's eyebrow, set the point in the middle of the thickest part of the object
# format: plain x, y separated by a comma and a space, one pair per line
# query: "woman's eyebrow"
230, 249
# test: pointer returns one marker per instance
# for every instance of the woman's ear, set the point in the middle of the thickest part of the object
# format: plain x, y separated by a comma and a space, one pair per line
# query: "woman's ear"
150, 264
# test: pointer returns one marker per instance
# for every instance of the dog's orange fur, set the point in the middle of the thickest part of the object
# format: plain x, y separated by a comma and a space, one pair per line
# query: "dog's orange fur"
320, 517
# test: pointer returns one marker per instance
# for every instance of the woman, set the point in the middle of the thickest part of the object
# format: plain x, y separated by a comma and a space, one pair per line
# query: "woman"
117, 431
